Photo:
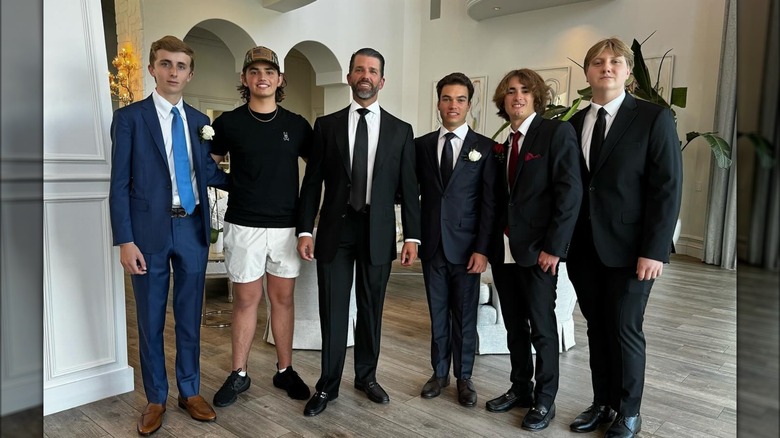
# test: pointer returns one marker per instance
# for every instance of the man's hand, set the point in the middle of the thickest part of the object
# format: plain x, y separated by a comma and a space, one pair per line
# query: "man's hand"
477, 263
548, 261
648, 269
306, 248
131, 258
408, 253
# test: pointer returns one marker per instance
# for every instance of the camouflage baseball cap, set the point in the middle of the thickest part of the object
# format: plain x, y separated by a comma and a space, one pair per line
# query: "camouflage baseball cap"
258, 54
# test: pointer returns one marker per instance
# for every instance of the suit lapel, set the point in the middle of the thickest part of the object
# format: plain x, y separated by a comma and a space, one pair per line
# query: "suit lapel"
468, 143
431, 154
528, 143
342, 139
194, 139
623, 119
383, 147
149, 115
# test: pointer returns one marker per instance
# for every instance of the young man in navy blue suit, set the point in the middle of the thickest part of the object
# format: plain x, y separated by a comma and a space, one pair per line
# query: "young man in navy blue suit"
538, 194
456, 175
160, 167
631, 176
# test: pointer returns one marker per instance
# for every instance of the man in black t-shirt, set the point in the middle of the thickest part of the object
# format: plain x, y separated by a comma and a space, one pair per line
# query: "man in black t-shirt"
264, 141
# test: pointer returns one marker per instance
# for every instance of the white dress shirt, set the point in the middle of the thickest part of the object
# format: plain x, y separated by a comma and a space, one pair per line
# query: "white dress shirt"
372, 121
589, 122
165, 117
456, 142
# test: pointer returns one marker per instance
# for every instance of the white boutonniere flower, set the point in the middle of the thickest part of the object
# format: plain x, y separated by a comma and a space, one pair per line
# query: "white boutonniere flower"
474, 155
207, 133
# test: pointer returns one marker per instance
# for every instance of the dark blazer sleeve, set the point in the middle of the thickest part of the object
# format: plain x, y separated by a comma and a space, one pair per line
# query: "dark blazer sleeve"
408, 188
663, 191
311, 187
121, 178
567, 190
487, 214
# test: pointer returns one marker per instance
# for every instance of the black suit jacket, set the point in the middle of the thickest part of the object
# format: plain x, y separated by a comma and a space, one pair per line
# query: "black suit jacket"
634, 190
461, 215
394, 173
541, 208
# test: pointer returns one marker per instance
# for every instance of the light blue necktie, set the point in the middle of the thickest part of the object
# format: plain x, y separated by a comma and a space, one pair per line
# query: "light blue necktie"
181, 163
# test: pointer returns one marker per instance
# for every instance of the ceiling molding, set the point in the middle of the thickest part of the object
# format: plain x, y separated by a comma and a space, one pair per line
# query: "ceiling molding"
285, 5
485, 9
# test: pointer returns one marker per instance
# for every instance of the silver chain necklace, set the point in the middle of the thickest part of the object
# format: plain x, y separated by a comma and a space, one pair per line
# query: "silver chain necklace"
260, 120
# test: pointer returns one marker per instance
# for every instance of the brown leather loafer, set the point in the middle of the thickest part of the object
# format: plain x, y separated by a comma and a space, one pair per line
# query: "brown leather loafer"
198, 408
151, 419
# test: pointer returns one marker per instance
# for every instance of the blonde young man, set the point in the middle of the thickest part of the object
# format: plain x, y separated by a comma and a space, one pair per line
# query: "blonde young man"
160, 220
632, 176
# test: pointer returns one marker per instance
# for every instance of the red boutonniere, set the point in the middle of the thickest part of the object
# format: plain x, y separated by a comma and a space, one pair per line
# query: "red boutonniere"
529, 156
499, 151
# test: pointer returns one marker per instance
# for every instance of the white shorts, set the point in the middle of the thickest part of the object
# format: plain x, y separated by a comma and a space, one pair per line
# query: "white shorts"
250, 252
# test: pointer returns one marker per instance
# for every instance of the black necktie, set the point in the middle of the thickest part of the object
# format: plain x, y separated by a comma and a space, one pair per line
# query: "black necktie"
357, 197
598, 138
445, 167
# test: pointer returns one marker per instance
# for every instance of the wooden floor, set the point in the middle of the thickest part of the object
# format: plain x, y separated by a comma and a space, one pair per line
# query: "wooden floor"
690, 388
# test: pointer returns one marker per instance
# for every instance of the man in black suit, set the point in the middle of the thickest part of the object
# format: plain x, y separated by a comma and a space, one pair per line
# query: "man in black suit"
456, 176
632, 175
538, 195
364, 156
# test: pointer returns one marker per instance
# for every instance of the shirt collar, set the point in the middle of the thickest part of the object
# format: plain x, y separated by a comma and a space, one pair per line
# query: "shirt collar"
373, 108
610, 107
164, 107
459, 132
523, 128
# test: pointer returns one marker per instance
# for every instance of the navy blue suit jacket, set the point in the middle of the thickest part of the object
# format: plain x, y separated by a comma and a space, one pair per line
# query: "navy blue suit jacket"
140, 194
459, 216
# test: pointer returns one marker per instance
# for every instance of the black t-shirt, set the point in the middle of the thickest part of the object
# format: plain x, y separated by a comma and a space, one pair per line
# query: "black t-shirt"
263, 164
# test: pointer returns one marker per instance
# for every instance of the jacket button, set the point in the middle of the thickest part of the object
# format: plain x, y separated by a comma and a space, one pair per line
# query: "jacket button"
592, 189
349, 185
343, 216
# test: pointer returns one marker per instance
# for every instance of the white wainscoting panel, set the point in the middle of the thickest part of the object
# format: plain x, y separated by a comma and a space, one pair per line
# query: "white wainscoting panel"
84, 328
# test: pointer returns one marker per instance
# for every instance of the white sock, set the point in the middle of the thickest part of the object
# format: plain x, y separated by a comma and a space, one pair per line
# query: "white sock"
241, 372
282, 370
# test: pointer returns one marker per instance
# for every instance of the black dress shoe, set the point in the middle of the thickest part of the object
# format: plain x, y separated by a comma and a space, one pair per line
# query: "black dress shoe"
589, 420
505, 402
538, 417
624, 427
434, 385
317, 404
467, 395
374, 392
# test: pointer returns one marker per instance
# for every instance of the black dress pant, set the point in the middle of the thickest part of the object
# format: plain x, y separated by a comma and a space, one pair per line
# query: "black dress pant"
527, 297
453, 299
613, 302
334, 281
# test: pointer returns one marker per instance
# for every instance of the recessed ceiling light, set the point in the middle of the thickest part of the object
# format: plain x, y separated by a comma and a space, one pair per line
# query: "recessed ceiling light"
496, 8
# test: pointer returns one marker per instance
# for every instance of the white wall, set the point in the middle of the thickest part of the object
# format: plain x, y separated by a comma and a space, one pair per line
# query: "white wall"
84, 329
342, 25
547, 37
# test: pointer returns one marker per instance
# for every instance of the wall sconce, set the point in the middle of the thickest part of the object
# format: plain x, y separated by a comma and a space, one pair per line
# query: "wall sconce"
120, 83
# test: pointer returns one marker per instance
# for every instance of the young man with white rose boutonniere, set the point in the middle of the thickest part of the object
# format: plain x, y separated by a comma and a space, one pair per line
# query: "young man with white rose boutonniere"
538, 195
456, 175
264, 141
160, 167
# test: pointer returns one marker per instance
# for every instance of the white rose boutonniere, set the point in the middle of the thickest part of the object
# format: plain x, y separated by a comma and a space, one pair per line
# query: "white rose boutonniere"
207, 133
474, 155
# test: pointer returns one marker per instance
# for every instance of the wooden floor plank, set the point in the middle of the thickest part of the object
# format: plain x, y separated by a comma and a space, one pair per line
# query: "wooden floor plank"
690, 389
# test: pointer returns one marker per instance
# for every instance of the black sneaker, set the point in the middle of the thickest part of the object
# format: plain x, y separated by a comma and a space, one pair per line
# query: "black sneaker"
290, 381
234, 385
